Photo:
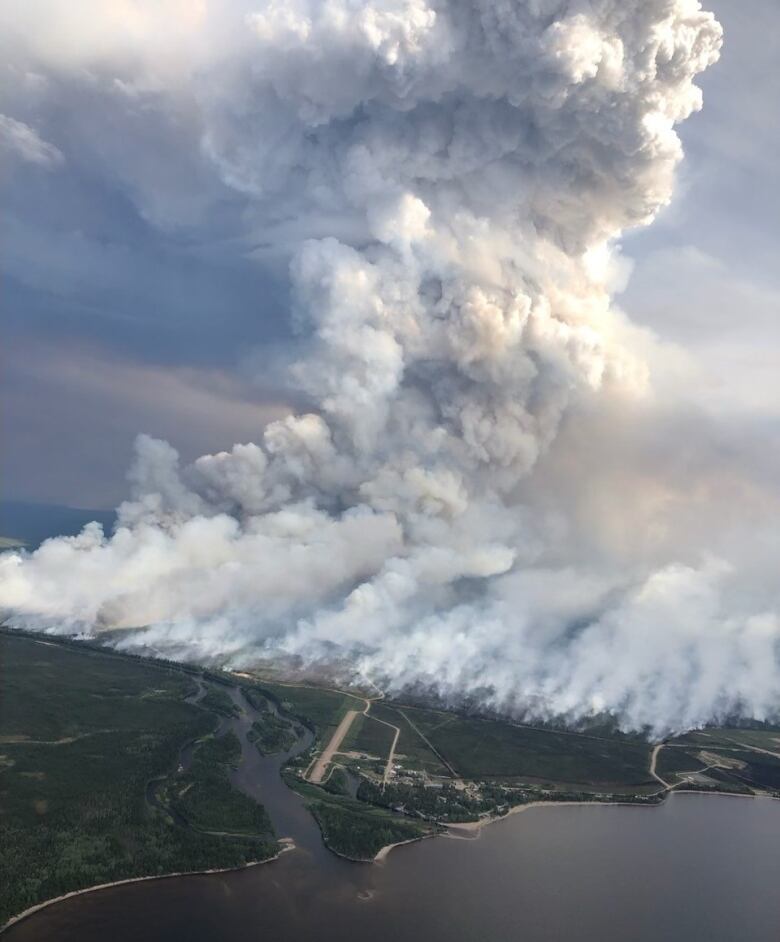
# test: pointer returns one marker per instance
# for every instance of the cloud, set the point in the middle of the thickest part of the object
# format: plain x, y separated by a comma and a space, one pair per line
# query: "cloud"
728, 324
21, 141
443, 184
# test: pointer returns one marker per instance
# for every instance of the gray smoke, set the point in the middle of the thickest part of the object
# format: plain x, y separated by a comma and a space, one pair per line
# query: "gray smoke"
487, 497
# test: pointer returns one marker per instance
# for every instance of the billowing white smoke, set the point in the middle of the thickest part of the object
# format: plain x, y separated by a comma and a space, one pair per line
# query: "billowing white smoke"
447, 178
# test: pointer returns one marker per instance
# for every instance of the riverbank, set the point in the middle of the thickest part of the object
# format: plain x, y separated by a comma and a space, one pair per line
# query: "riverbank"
127, 723
288, 845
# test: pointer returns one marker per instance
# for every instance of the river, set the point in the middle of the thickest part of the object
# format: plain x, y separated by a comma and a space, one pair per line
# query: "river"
696, 868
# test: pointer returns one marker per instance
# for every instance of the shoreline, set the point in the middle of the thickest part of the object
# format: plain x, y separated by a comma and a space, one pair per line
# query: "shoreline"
518, 809
287, 845
382, 854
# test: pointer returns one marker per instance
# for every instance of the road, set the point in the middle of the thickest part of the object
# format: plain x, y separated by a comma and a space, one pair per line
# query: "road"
742, 745
429, 744
317, 773
685, 777
391, 755
322, 763
653, 762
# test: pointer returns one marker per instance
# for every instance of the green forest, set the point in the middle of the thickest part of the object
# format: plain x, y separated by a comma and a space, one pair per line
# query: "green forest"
83, 733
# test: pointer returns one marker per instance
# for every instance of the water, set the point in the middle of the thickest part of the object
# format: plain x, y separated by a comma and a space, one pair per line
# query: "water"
696, 868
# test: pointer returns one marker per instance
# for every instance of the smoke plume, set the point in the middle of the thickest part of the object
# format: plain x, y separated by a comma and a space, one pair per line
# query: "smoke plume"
489, 494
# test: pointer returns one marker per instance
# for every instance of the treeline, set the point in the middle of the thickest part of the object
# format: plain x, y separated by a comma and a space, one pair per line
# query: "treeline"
450, 805
149, 660
218, 702
359, 836
76, 814
204, 797
435, 804
102, 830
61, 857
274, 734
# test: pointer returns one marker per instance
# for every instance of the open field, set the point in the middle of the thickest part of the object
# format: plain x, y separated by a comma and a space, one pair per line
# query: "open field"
478, 748
449, 768
81, 734
368, 736
411, 750
731, 737
740, 759
672, 760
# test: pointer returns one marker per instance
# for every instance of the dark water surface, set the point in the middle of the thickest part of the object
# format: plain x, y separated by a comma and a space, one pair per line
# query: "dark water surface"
698, 868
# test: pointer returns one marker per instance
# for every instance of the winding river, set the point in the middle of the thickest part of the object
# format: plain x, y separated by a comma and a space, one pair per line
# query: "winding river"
696, 868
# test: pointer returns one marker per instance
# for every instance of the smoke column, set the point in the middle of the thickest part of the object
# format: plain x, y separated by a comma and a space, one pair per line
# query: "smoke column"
447, 180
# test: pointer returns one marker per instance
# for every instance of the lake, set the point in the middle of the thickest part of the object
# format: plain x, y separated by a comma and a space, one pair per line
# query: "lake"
697, 868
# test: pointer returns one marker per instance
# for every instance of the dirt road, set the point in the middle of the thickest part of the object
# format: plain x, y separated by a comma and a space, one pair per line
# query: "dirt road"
429, 744
322, 763
653, 762
391, 756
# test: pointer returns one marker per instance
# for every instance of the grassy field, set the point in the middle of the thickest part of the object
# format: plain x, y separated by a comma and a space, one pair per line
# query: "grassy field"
411, 750
369, 736
731, 737
675, 760
733, 758
81, 734
480, 749
509, 764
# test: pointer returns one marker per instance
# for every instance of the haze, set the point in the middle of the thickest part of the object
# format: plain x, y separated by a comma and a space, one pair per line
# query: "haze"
387, 248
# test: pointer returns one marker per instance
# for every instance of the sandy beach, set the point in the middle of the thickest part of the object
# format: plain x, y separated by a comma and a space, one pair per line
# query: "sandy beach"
382, 854
287, 845
472, 827
478, 825
491, 819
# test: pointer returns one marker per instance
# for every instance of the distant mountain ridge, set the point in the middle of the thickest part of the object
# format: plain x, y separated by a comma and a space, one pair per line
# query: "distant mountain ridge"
32, 523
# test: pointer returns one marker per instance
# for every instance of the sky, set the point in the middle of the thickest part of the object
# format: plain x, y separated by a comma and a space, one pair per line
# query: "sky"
452, 373
136, 301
